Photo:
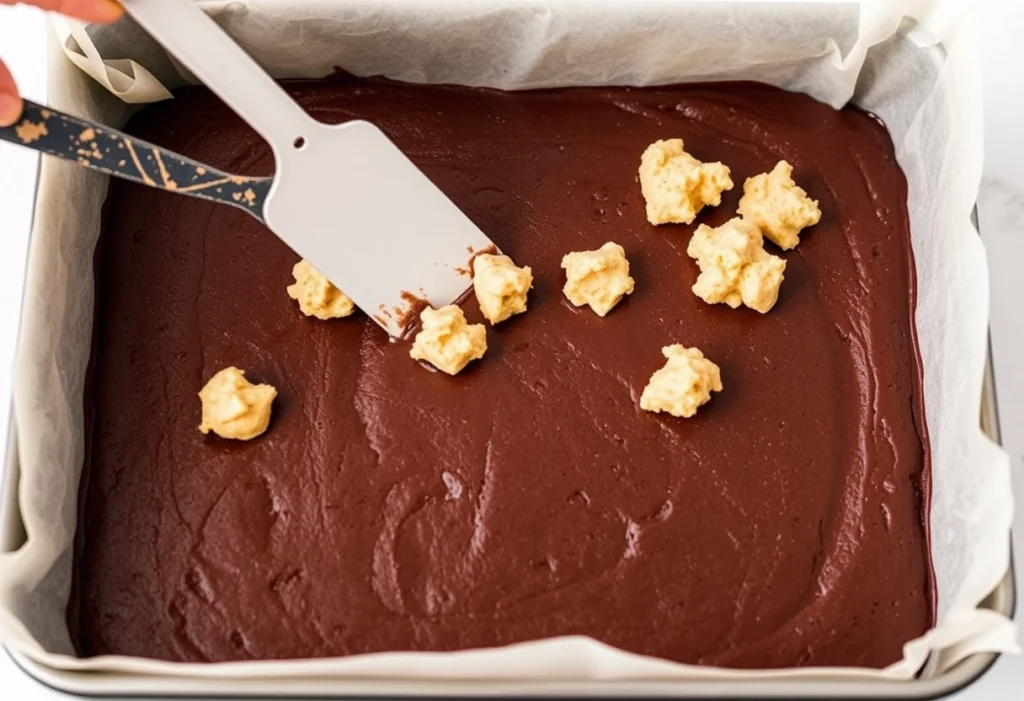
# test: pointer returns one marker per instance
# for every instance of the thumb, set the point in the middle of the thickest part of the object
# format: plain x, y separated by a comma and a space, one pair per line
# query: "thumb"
89, 10
10, 103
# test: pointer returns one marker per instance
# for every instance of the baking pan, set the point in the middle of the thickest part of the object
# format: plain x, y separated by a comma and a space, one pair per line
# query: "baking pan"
928, 684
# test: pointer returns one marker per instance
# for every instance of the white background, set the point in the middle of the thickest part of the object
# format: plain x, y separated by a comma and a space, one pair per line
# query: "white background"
1001, 213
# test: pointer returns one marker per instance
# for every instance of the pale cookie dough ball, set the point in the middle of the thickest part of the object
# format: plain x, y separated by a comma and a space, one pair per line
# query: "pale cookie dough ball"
316, 295
735, 268
599, 278
683, 385
676, 185
446, 341
235, 408
778, 206
500, 286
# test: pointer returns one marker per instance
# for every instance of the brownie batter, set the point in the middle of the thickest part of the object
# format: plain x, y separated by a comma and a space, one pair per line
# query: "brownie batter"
389, 507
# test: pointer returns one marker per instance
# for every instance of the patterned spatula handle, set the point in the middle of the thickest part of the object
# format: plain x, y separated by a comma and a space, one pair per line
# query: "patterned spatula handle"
112, 152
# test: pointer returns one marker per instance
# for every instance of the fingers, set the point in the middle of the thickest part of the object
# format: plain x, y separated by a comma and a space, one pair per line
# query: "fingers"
10, 103
89, 10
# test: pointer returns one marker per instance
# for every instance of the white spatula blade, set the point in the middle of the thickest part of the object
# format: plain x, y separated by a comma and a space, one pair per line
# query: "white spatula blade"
352, 204
344, 197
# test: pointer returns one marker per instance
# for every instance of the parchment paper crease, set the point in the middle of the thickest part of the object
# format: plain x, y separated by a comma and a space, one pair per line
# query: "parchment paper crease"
921, 77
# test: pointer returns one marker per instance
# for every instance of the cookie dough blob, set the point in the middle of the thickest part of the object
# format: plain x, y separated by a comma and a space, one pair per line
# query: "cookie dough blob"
598, 278
500, 286
734, 267
676, 185
778, 206
447, 341
683, 385
235, 408
316, 295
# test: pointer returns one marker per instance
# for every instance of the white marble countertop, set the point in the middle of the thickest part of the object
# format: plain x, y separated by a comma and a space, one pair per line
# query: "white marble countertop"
1001, 215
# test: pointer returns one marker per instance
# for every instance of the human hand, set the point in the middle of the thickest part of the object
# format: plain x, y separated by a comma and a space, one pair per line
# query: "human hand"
88, 10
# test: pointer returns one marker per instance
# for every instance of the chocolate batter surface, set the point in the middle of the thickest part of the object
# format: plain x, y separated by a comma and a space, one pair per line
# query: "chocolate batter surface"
393, 508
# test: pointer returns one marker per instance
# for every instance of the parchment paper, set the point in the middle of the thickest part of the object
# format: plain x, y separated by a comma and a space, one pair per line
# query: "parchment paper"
921, 77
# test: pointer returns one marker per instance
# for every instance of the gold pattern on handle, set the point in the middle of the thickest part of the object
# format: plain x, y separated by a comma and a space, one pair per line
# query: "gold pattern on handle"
30, 131
249, 196
164, 174
203, 186
138, 164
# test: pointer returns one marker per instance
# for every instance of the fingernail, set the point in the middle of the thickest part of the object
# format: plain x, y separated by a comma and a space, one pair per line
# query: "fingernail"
10, 109
92, 10
112, 9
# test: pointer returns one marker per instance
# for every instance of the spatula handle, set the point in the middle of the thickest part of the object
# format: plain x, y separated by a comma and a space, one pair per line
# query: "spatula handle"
221, 64
115, 153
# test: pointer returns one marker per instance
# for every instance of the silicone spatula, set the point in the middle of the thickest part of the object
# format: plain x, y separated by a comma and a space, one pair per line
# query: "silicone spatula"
343, 196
